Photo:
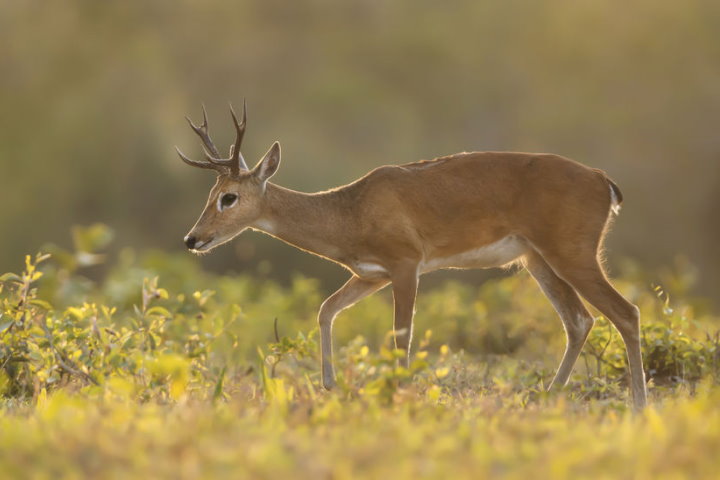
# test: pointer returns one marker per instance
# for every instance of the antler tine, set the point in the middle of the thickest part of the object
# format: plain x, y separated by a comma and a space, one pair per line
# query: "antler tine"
235, 153
195, 163
203, 132
223, 162
236, 162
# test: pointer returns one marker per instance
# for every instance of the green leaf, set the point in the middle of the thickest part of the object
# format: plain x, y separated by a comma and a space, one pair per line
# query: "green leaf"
41, 303
161, 311
10, 277
218, 391
6, 325
91, 239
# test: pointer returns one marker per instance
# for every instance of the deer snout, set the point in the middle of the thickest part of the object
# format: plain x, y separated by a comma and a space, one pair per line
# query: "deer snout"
195, 243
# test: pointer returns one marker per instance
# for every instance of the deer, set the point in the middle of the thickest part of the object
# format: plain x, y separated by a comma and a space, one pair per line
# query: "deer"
544, 212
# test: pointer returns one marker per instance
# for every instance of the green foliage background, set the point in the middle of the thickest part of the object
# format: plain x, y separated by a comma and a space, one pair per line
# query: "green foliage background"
93, 96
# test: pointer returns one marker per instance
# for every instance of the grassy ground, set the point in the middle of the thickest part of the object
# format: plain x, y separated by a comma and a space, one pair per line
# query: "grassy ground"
190, 376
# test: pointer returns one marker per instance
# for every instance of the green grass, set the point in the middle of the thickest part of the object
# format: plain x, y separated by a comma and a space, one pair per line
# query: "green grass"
163, 371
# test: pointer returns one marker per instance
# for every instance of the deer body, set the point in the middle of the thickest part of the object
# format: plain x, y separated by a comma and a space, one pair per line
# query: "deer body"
470, 210
453, 212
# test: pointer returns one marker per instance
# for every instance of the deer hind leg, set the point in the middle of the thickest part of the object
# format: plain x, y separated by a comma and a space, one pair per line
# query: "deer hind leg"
405, 282
589, 279
576, 319
353, 291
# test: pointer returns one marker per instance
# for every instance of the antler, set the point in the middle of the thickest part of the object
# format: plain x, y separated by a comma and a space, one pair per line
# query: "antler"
235, 162
203, 132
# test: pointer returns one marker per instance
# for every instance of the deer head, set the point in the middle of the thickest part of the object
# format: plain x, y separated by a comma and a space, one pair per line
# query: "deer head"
237, 199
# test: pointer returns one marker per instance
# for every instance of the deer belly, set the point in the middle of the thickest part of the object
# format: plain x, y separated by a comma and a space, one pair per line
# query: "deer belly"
497, 254
369, 270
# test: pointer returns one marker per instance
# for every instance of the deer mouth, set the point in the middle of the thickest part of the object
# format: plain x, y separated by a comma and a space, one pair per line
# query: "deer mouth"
203, 246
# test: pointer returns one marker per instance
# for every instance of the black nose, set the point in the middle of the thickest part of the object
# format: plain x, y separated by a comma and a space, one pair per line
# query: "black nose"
190, 242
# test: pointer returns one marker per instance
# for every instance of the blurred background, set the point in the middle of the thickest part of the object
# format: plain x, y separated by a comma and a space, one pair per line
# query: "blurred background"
93, 96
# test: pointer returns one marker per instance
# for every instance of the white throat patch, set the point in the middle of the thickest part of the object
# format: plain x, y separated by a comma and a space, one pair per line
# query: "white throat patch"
263, 225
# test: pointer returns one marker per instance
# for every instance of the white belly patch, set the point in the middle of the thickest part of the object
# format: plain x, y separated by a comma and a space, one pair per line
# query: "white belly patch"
495, 254
369, 270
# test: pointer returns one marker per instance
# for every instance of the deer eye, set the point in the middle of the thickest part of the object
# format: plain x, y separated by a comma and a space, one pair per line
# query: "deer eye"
228, 200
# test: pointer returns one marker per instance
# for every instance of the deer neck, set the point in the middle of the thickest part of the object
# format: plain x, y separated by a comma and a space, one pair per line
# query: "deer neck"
314, 222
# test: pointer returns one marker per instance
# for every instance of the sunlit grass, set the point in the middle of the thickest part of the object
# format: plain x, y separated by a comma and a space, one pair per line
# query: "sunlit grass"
186, 375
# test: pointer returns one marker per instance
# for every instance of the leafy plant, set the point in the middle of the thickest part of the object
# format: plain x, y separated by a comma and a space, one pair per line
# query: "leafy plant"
156, 358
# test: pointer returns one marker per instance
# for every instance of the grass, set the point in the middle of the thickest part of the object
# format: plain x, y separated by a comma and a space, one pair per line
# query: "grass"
163, 371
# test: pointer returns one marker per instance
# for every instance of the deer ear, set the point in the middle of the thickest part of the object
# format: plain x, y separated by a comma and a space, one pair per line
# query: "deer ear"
269, 164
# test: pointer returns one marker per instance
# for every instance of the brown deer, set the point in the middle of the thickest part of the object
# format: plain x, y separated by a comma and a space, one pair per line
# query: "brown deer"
468, 210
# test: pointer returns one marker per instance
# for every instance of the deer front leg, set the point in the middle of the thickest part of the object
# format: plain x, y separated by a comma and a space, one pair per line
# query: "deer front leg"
405, 282
353, 291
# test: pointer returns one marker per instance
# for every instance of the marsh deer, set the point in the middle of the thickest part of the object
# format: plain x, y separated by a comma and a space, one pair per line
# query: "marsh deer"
468, 210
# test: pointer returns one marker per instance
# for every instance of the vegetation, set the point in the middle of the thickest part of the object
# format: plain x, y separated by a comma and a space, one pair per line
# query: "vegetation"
123, 364
159, 370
